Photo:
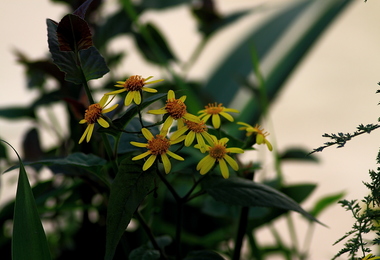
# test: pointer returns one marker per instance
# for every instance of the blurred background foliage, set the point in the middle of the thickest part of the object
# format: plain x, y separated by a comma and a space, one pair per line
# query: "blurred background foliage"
73, 201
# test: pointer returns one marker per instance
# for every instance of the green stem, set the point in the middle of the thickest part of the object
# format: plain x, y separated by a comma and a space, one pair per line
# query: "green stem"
241, 232
255, 250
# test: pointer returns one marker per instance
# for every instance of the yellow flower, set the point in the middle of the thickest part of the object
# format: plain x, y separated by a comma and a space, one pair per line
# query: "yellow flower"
260, 134
369, 257
215, 111
218, 152
176, 109
134, 85
197, 130
94, 113
157, 145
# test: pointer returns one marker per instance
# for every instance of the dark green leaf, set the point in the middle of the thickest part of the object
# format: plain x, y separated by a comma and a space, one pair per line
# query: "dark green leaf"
325, 202
28, 239
238, 191
297, 154
93, 64
128, 190
204, 255
162, 4
17, 112
159, 52
66, 61
144, 253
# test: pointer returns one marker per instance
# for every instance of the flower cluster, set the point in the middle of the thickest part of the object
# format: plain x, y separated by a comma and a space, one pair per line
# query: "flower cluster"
189, 128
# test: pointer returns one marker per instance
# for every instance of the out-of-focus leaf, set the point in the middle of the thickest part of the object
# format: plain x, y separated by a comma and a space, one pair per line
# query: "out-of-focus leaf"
28, 239
73, 34
204, 255
118, 23
3, 151
81, 11
46, 99
298, 154
325, 202
128, 190
144, 253
159, 52
162, 4
286, 64
238, 191
17, 112
31, 146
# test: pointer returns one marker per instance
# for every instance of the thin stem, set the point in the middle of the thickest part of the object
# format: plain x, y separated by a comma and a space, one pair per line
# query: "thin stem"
179, 228
293, 235
241, 232
169, 186
108, 148
149, 233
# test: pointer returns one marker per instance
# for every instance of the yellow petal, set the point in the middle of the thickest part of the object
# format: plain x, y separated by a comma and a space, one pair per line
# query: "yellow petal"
109, 109
83, 121
175, 156
171, 94
137, 98
224, 169
147, 134
137, 144
190, 138
150, 90
129, 98
84, 135
216, 121
269, 145
227, 116
231, 162
140, 156
158, 111
166, 163
103, 100
167, 124
116, 92
103, 122
178, 133
90, 131
148, 163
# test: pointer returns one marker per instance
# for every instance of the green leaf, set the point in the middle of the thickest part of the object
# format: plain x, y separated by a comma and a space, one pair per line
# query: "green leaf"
28, 239
238, 191
325, 202
162, 4
297, 154
153, 45
128, 190
204, 255
93, 64
17, 112
144, 253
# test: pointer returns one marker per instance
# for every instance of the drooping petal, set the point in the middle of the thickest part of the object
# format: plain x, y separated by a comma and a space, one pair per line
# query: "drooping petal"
189, 138
147, 134
208, 137
84, 135
269, 145
129, 98
260, 139
137, 98
224, 169
140, 156
148, 163
231, 162
90, 131
207, 165
201, 142
166, 163
216, 121
103, 122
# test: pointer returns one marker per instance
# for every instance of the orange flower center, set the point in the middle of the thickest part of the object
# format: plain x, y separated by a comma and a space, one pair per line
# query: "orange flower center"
175, 108
218, 151
158, 145
260, 131
214, 109
93, 112
134, 83
196, 127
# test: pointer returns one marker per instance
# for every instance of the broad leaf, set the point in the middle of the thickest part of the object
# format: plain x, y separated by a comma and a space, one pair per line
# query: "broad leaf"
93, 64
128, 190
325, 202
144, 253
28, 239
17, 112
238, 191
298, 154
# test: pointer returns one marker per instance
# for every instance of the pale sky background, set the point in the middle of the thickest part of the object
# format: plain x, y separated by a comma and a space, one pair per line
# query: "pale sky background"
333, 90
